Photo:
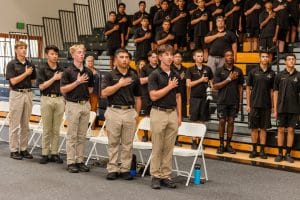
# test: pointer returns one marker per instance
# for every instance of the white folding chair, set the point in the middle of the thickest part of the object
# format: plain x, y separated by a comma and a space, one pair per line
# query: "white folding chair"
35, 128
100, 139
63, 132
144, 124
4, 107
190, 130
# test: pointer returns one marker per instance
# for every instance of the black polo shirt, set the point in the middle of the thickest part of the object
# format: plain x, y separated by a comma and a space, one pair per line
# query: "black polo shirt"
232, 21
81, 92
262, 83
145, 72
194, 73
15, 68
44, 73
142, 48
180, 26
229, 95
213, 8
114, 39
159, 17
288, 87
138, 15
159, 79
161, 35
153, 10
123, 25
201, 28
182, 73
253, 18
218, 46
282, 15
269, 29
125, 95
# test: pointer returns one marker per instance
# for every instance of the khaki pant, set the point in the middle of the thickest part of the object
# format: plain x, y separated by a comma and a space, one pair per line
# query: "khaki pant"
120, 126
78, 120
20, 107
52, 110
215, 62
164, 129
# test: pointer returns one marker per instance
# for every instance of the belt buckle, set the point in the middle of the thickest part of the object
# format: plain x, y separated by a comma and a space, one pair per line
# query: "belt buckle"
82, 102
169, 110
53, 95
124, 107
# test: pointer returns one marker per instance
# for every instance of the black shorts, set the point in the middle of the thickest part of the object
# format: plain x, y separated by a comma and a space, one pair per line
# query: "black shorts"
252, 33
225, 111
199, 42
287, 120
267, 44
282, 33
112, 50
199, 109
294, 20
180, 40
146, 105
260, 118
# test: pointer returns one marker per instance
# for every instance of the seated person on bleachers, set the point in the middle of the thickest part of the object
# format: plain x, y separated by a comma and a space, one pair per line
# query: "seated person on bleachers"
252, 9
202, 25
142, 39
124, 22
198, 79
267, 21
259, 93
165, 36
138, 16
228, 80
115, 39
180, 17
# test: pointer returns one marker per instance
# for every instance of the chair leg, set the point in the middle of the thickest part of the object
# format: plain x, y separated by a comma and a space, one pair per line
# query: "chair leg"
61, 144
35, 143
176, 166
147, 165
204, 166
90, 154
191, 171
141, 156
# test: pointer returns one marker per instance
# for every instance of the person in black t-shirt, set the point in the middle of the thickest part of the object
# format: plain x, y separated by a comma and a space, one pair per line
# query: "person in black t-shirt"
252, 9
233, 16
229, 81
165, 36
280, 7
287, 105
267, 21
124, 22
293, 7
216, 9
142, 39
259, 93
191, 7
161, 15
201, 22
199, 78
153, 10
138, 16
115, 38
179, 22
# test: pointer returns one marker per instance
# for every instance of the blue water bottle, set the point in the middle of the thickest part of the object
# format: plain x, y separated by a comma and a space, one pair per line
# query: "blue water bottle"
197, 174
133, 166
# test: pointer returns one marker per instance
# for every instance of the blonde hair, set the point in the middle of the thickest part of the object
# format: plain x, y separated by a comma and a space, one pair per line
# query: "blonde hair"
76, 47
20, 44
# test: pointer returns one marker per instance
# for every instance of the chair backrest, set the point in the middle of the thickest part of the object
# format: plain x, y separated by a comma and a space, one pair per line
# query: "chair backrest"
36, 110
144, 124
192, 129
4, 106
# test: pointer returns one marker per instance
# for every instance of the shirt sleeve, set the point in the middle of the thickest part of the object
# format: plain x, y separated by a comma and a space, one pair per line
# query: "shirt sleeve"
218, 78
188, 73
210, 74
41, 78
276, 82
137, 89
65, 79
10, 71
106, 81
91, 82
33, 74
152, 82
250, 79
241, 79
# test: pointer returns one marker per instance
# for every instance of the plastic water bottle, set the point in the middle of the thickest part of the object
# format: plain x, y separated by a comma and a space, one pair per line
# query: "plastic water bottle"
133, 166
197, 174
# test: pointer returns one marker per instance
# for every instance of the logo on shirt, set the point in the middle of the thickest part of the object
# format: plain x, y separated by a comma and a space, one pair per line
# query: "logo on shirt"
269, 76
295, 79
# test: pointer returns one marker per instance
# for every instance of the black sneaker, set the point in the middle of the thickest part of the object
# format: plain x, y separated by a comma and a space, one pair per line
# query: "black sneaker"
167, 182
279, 158
112, 176
72, 168
230, 150
126, 176
220, 149
16, 155
44, 159
26, 154
288, 158
263, 155
82, 167
253, 154
155, 183
194, 144
55, 158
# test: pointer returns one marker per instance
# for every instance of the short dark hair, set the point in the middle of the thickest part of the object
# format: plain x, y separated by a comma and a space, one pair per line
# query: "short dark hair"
263, 52
165, 48
145, 17
151, 52
142, 2
219, 17
197, 51
163, 1
227, 50
112, 12
178, 52
290, 55
121, 4
166, 20
51, 47
121, 50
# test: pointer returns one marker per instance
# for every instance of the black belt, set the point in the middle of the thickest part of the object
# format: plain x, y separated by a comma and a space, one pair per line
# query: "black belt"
52, 95
123, 107
22, 90
81, 102
163, 109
